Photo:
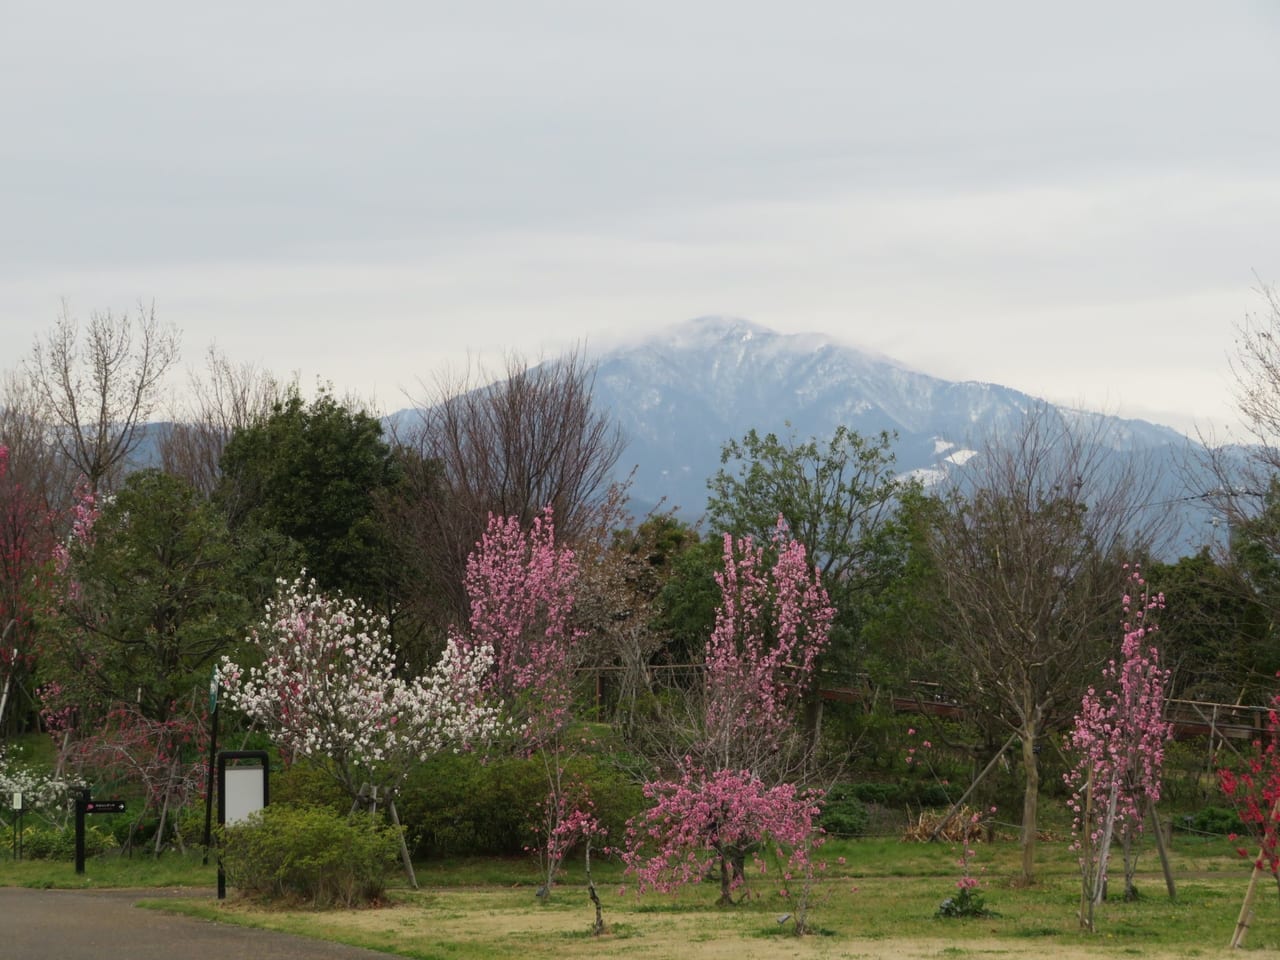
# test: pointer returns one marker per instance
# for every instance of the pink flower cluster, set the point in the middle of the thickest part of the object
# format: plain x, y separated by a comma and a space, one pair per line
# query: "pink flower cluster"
717, 818
1119, 736
771, 625
521, 591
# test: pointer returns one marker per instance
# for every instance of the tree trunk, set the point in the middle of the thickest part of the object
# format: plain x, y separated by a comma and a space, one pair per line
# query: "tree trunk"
1104, 845
4, 696
597, 928
164, 809
1130, 863
1030, 801
1088, 852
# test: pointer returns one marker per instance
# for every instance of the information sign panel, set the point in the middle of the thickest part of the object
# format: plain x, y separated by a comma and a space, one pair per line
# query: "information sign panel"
245, 792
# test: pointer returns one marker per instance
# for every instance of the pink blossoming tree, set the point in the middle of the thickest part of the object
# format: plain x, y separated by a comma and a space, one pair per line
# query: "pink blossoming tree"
706, 821
773, 620
728, 799
520, 586
1118, 740
569, 821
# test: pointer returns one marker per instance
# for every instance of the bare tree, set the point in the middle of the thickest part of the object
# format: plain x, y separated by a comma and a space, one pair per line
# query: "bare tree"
1029, 554
97, 391
531, 439
226, 398
33, 459
1257, 374
1245, 470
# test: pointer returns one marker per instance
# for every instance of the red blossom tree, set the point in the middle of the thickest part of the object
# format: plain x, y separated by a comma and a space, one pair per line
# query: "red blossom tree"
1255, 791
163, 757
27, 538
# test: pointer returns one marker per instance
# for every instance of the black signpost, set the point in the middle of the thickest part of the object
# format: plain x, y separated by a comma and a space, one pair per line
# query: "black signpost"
86, 805
213, 752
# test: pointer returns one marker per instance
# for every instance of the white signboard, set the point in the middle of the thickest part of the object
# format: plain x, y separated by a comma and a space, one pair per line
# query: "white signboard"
245, 788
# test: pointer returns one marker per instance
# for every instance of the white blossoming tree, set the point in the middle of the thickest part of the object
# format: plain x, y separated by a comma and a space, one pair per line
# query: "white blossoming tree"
44, 795
330, 690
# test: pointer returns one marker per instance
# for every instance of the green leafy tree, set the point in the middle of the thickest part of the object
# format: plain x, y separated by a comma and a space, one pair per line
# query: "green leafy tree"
834, 494
153, 594
686, 605
1216, 632
905, 601
839, 497
313, 473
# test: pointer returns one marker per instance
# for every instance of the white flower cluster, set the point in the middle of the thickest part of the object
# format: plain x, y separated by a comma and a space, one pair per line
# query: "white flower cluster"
41, 794
330, 688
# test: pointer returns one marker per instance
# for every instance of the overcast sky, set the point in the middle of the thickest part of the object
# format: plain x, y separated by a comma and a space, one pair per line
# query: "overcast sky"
1077, 200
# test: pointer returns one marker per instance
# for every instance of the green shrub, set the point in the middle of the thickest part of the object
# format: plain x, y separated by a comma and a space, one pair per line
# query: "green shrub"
968, 902
932, 795
123, 826
1218, 821
885, 794
456, 804
50, 843
843, 814
309, 854
460, 804
306, 784
188, 823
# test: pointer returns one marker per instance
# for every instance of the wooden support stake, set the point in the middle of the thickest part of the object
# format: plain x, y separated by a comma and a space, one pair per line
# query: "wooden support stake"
955, 807
1160, 848
404, 847
1246, 909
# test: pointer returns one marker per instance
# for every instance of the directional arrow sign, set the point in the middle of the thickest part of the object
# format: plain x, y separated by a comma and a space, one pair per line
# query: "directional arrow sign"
104, 806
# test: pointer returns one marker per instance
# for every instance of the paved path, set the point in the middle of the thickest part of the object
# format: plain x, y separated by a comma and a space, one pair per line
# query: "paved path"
105, 925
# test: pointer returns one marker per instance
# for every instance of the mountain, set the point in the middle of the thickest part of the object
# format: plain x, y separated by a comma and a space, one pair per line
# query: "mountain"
680, 393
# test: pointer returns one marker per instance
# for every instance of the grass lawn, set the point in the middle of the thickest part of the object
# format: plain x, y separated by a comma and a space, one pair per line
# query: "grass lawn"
879, 903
